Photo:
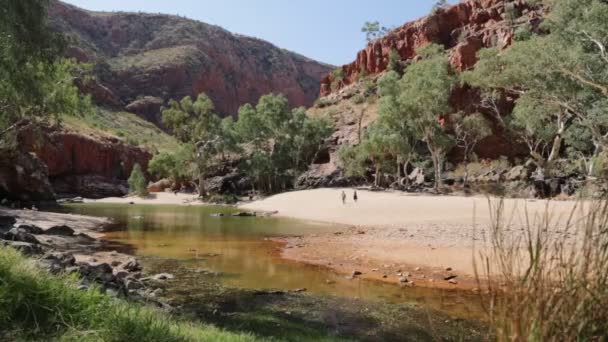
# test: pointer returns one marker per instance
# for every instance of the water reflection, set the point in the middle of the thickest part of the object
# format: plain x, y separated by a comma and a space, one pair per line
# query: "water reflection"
235, 248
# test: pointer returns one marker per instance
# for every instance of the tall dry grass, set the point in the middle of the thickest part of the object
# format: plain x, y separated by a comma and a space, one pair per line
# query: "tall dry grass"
545, 278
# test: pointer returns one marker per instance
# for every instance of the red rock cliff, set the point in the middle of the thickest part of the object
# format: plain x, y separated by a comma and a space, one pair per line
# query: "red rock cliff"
464, 28
141, 56
81, 165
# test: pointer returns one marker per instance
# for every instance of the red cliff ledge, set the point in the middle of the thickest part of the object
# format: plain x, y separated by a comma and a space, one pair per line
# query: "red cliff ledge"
464, 29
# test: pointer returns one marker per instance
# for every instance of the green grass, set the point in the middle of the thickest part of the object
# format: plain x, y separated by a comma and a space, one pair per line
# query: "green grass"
36, 306
125, 126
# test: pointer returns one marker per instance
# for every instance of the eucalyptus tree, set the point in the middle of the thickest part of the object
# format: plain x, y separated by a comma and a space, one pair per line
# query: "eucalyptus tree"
196, 124
469, 130
35, 81
402, 135
560, 80
420, 98
281, 141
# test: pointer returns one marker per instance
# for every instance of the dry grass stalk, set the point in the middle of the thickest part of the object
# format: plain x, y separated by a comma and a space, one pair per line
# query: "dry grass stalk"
547, 279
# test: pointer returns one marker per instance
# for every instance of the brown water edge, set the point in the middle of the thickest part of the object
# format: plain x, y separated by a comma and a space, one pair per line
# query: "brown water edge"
240, 253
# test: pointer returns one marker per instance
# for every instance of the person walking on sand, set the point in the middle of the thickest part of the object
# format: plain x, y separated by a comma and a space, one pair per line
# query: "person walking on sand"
343, 197
355, 196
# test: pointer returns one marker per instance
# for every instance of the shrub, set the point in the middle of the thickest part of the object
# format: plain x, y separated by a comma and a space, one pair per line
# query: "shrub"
358, 99
137, 181
523, 33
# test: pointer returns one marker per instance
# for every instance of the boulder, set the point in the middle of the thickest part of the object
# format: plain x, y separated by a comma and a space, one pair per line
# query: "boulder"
417, 176
65, 260
243, 214
61, 230
147, 108
6, 222
24, 247
160, 277
99, 272
31, 229
133, 284
18, 234
159, 186
24, 179
517, 173
132, 265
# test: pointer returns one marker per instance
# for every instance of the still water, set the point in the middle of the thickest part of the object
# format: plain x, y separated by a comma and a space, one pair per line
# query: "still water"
239, 254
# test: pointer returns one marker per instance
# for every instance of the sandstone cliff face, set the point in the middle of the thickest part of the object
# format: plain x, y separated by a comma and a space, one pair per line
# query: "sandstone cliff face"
81, 165
464, 28
24, 179
140, 56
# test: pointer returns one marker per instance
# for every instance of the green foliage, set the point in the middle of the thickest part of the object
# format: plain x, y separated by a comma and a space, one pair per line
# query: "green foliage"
197, 124
469, 130
373, 30
394, 62
137, 181
416, 102
191, 121
278, 142
439, 5
337, 77
522, 33
172, 165
127, 126
353, 161
283, 141
511, 13
34, 81
560, 79
39, 307
358, 99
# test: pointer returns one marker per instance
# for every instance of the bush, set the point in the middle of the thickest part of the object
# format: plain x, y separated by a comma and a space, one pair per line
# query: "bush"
358, 99
523, 33
137, 181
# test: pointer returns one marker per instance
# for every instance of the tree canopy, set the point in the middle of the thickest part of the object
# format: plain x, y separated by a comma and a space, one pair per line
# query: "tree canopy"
35, 82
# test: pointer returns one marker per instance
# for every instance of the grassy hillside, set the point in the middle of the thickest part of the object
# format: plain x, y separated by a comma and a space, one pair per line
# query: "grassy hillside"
125, 126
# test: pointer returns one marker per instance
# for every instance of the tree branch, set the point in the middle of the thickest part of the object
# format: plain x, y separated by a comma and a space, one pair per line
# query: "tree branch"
599, 44
583, 80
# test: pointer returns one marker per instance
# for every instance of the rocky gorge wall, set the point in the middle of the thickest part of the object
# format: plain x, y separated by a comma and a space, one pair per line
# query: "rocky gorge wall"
79, 165
464, 29
141, 61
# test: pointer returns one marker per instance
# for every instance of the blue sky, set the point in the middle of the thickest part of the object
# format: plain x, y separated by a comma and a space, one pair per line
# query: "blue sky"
325, 30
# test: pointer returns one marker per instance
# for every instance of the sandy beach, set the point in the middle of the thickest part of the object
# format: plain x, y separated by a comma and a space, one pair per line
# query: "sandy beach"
159, 198
388, 235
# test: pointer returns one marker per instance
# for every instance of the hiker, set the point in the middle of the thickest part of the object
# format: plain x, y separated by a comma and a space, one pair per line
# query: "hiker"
355, 196
343, 197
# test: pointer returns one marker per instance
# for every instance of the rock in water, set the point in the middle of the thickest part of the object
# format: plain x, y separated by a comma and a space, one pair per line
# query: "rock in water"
62, 230
31, 229
132, 265
18, 234
24, 247
102, 272
7, 222
244, 214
